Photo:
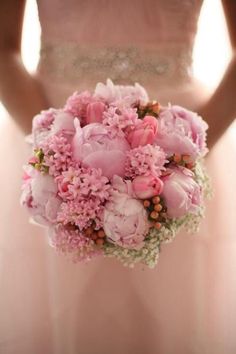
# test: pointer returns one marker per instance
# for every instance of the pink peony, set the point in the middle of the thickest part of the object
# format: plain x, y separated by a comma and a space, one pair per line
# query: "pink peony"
94, 112
181, 193
181, 131
143, 133
44, 119
51, 122
147, 186
130, 94
40, 196
63, 122
93, 146
125, 219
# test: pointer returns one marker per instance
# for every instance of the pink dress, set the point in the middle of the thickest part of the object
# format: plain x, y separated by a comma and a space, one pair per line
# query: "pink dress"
187, 303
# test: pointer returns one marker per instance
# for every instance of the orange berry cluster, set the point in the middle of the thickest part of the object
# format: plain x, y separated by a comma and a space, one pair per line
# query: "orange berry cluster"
152, 108
98, 236
183, 160
156, 211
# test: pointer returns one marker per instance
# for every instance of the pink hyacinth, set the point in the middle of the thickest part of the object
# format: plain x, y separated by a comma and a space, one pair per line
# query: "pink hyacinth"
80, 182
120, 119
70, 240
81, 212
145, 160
57, 154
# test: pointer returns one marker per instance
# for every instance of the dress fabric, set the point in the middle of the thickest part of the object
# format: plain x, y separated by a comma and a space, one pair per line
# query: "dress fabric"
186, 305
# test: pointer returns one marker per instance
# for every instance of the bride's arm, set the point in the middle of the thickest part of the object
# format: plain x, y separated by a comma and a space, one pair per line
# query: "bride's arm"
220, 110
19, 91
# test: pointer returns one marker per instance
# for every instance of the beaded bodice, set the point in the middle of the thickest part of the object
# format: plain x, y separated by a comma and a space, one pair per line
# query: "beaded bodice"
71, 62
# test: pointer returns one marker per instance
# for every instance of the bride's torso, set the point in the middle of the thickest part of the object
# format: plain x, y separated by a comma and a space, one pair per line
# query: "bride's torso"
150, 42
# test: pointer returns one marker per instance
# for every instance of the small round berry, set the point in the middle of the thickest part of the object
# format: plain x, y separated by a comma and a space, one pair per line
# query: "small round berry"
190, 165
146, 203
88, 231
157, 225
99, 241
94, 236
154, 215
156, 199
186, 158
101, 233
177, 158
158, 207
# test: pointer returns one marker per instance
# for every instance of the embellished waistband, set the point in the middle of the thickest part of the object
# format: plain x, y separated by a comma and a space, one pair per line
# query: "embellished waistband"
72, 62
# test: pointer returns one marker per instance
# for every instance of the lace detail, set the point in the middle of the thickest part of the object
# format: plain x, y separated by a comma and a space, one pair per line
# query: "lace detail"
72, 62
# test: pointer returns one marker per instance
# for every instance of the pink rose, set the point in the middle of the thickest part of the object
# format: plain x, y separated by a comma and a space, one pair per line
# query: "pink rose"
147, 186
144, 133
94, 112
40, 196
181, 193
125, 219
51, 122
181, 131
93, 146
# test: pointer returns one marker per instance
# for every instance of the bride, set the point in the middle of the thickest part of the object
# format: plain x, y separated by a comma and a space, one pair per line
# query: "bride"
48, 305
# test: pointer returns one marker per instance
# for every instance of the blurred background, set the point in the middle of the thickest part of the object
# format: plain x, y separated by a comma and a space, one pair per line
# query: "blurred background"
211, 52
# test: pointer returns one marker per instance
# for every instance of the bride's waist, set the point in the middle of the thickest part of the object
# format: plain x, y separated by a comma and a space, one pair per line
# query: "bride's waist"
71, 63
164, 71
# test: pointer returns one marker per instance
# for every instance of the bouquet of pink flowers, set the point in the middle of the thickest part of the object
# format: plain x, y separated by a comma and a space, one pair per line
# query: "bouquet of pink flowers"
115, 174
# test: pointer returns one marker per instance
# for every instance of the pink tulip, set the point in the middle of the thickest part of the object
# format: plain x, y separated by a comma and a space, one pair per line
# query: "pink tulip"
144, 133
147, 186
181, 193
94, 112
